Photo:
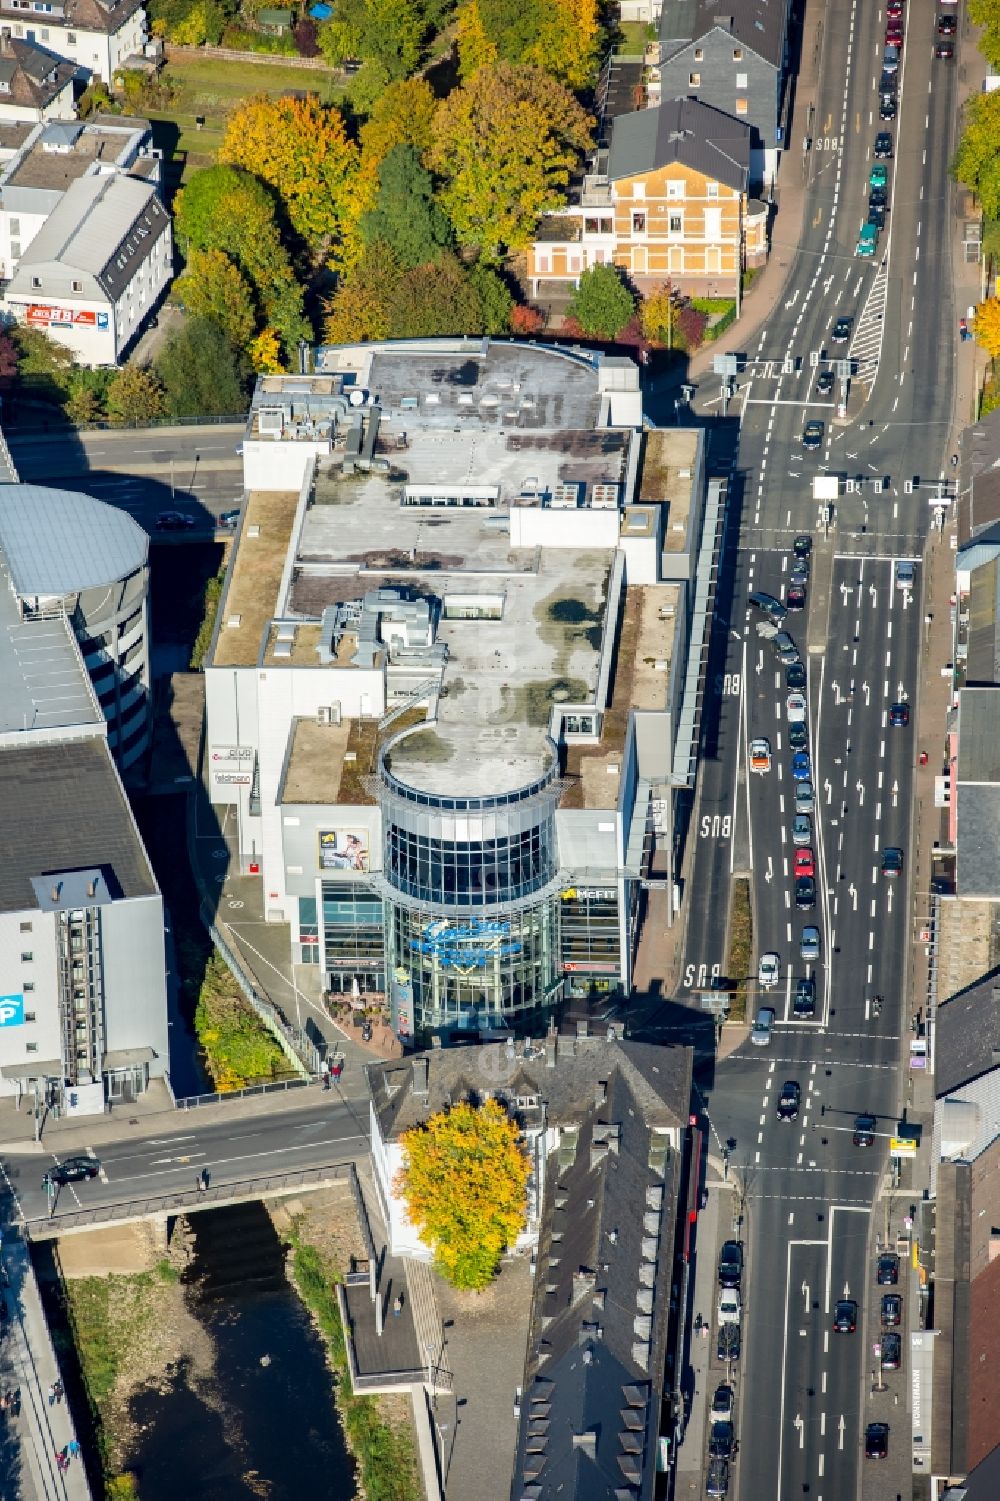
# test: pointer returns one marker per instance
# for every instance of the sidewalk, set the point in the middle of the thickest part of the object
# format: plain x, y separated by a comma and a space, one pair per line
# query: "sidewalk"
28, 1366
790, 193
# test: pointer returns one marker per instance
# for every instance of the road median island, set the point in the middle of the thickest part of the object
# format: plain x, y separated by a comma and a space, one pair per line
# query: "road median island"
740, 955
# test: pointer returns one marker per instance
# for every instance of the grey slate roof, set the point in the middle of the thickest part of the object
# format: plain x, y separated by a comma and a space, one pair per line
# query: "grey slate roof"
681, 130
982, 663
561, 1072
968, 1035
758, 24
58, 541
595, 1366
102, 228
979, 735
62, 808
82, 15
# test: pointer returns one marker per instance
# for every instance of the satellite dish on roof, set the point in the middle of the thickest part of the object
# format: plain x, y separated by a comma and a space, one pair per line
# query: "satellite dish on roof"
357, 397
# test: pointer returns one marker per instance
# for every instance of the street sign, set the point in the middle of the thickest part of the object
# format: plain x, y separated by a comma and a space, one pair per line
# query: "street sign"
902, 1147
726, 364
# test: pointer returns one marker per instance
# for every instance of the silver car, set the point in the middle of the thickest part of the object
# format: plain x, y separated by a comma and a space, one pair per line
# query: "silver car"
809, 945
760, 1032
802, 830
805, 797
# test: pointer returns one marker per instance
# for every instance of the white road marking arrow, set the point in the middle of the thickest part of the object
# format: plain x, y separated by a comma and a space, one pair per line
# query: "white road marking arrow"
801, 1429
840, 1432
895, 793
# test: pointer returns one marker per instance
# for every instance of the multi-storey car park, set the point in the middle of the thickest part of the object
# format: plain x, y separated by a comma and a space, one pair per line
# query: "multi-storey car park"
453, 691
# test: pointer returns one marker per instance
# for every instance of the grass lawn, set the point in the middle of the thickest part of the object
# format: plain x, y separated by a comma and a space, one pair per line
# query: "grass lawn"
211, 88
635, 35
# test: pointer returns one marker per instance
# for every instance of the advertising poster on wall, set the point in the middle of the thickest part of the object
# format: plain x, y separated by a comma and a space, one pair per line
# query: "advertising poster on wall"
344, 849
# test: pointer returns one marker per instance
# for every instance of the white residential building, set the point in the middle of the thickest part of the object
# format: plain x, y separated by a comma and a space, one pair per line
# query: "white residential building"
97, 268
96, 36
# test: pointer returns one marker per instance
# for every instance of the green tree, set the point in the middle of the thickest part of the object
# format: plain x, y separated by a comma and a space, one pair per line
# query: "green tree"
977, 160
43, 366
986, 13
88, 390
505, 144
200, 371
602, 304
405, 213
464, 1182
435, 299
224, 208
385, 33
213, 287
135, 397
495, 301
560, 36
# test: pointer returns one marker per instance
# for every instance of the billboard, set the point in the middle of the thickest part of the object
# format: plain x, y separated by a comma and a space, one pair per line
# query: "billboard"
42, 315
344, 849
11, 1010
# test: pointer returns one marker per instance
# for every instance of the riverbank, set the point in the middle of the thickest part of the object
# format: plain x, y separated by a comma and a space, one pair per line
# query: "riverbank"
324, 1238
204, 1360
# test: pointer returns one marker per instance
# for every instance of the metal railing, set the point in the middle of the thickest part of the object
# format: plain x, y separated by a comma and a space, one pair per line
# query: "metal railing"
270, 1086
243, 1189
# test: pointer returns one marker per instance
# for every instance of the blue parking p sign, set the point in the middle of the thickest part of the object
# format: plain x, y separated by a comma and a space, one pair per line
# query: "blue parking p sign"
11, 1010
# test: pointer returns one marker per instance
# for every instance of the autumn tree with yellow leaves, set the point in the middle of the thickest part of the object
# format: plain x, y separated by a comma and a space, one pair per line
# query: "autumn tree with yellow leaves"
464, 1182
505, 145
987, 326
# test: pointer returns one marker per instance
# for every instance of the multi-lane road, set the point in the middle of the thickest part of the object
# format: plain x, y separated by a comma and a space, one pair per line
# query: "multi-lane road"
809, 1192
195, 470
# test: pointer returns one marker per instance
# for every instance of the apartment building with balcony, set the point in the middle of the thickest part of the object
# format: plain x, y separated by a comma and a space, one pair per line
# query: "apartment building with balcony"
667, 199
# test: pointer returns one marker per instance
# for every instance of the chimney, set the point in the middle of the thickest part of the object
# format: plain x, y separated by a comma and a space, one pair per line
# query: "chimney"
56, 890
92, 886
418, 1065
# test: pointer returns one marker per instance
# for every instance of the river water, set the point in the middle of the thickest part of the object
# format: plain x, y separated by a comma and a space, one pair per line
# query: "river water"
266, 1426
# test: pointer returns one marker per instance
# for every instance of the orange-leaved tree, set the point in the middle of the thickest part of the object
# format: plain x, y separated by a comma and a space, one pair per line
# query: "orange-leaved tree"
464, 1182
987, 326
301, 149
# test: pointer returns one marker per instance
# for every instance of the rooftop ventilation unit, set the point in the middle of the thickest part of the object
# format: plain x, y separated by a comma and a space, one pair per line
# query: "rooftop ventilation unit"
565, 497
357, 397
271, 420
604, 498
282, 651
328, 714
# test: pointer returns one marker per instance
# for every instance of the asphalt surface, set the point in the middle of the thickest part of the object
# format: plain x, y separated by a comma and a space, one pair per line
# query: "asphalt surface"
194, 470
179, 1147
807, 1191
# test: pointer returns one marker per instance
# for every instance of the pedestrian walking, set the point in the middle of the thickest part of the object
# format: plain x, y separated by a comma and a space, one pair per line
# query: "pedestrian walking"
60, 1391
62, 1460
52, 1394
200, 1183
206, 1178
73, 1449
338, 1068
397, 1306
326, 1074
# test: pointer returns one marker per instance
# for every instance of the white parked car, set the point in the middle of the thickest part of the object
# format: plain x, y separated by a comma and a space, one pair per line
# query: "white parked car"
730, 1306
769, 970
795, 707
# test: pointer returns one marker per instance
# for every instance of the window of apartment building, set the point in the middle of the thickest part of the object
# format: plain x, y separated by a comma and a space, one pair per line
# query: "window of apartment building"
30, 1016
713, 189
44, 33
675, 190
737, 54
741, 80
77, 286
699, 54
694, 79
27, 986
676, 226
71, 38
741, 106
26, 956
19, 31
638, 224
36, 281
31, 1047
638, 190
26, 927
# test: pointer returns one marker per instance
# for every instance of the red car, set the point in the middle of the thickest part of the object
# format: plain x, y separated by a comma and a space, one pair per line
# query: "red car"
894, 34
805, 863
